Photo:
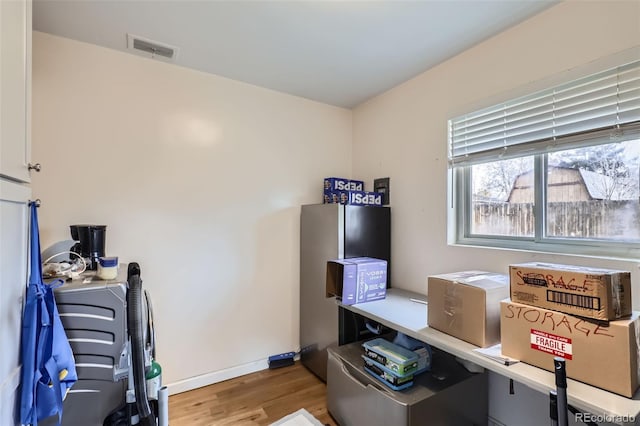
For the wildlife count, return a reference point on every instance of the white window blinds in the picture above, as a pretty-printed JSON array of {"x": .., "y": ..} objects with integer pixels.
[{"x": 602, "y": 105}]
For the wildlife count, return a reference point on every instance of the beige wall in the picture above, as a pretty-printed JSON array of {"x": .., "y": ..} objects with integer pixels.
[
  {"x": 199, "y": 178},
  {"x": 403, "y": 133}
]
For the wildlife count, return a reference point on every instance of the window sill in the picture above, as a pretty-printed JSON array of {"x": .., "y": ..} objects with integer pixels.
[{"x": 601, "y": 251}]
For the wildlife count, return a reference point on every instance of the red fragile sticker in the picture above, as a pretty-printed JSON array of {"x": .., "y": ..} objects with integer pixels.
[{"x": 551, "y": 344}]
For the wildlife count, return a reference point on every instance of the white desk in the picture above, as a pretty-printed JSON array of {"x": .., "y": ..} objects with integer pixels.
[{"x": 398, "y": 312}]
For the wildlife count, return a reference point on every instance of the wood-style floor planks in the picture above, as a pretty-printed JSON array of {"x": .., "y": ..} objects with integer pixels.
[{"x": 255, "y": 399}]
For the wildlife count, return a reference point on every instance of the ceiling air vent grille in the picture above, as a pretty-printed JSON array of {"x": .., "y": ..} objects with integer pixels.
[{"x": 151, "y": 49}]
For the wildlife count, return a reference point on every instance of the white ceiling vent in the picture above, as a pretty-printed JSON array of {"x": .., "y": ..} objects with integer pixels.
[{"x": 151, "y": 49}]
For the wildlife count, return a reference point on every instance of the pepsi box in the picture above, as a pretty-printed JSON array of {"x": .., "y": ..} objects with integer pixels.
[
  {"x": 331, "y": 197},
  {"x": 356, "y": 280},
  {"x": 342, "y": 184},
  {"x": 363, "y": 198},
  {"x": 355, "y": 198}
]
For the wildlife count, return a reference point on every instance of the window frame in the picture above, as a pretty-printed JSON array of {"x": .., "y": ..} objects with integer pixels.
[
  {"x": 460, "y": 213},
  {"x": 561, "y": 246}
]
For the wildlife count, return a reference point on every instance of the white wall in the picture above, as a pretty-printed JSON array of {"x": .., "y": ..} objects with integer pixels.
[
  {"x": 200, "y": 178},
  {"x": 403, "y": 134},
  {"x": 197, "y": 177}
]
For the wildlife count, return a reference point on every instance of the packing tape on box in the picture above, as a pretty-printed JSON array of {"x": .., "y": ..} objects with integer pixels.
[
  {"x": 636, "y": 328},
  {"x": 453, "y": 304},
  {"x": 616, "y": 286}
]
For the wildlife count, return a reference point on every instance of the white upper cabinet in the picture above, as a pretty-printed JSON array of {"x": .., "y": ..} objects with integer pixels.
[{"x": 15, "y": 89}]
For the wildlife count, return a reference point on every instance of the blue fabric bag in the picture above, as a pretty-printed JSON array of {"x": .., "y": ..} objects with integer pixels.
[{"x": 48, "y": 366}]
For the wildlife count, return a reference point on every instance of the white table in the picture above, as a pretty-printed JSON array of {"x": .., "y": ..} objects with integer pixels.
[{"x": 397, "y": 311}]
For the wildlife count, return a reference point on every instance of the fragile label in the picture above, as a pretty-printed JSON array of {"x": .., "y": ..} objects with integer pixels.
[{"x": 551, "y": 344}]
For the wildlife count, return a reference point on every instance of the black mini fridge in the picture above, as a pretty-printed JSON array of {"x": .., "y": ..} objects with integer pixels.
[{"x": 327, "y": 232}]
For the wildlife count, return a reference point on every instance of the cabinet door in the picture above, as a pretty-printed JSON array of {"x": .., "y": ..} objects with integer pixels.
[
  {"x": 14, "y": 221},
  {"x": 15, "y": 89}
]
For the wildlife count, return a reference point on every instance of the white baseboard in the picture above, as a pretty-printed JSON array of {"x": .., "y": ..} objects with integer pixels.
[{"x": 216, "y": 376}]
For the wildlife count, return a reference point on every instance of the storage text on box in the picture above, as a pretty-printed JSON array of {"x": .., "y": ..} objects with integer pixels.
[{"x": 551, "y": 344}]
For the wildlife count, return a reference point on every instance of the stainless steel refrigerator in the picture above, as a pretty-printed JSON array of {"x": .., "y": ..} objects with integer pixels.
[{"x": 327, "y": 232}]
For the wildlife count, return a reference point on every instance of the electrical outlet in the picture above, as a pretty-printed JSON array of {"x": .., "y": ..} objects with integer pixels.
[{"x": 382, "y": 185}]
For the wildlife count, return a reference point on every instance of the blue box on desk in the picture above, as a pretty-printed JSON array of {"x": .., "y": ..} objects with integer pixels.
[
  {"x": 354, "y": 198},
  {"x": 357, "y": 280},
  {"x": 342, "y": 184}
]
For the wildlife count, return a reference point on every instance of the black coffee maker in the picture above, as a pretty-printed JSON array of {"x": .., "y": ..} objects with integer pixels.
[{"x": 90, "y": 242}]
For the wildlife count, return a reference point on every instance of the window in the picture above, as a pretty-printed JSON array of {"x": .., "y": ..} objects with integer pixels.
[{"x": 557, "y": 170}]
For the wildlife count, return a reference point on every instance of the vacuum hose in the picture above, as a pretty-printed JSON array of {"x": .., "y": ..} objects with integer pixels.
[{"x": 134, "y": 317}]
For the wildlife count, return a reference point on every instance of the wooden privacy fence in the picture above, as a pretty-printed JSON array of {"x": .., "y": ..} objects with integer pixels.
[{"x": 580, "y": 219}]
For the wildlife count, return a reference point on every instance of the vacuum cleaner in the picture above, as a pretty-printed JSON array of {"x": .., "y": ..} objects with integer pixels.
[
  {"x": 109, "y": 324},
  {"x": 138, "y": 401}
]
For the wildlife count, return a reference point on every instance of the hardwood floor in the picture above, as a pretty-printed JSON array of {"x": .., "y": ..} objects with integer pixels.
[{"x": 255, "y": 399}]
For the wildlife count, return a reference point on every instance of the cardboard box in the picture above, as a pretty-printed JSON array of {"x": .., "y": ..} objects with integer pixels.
[
  {"x": 602, "y": 294},
  {"x": 467, "y": 305},
  {"x": 364, "y": 198},
  {"x": 356, "y": 198},
  {"x": 342, "y": 184},
  {"x": 331, "y": 197},
  {"x": 602, "y": 356},
  {"x": 357, "y": 280}
]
